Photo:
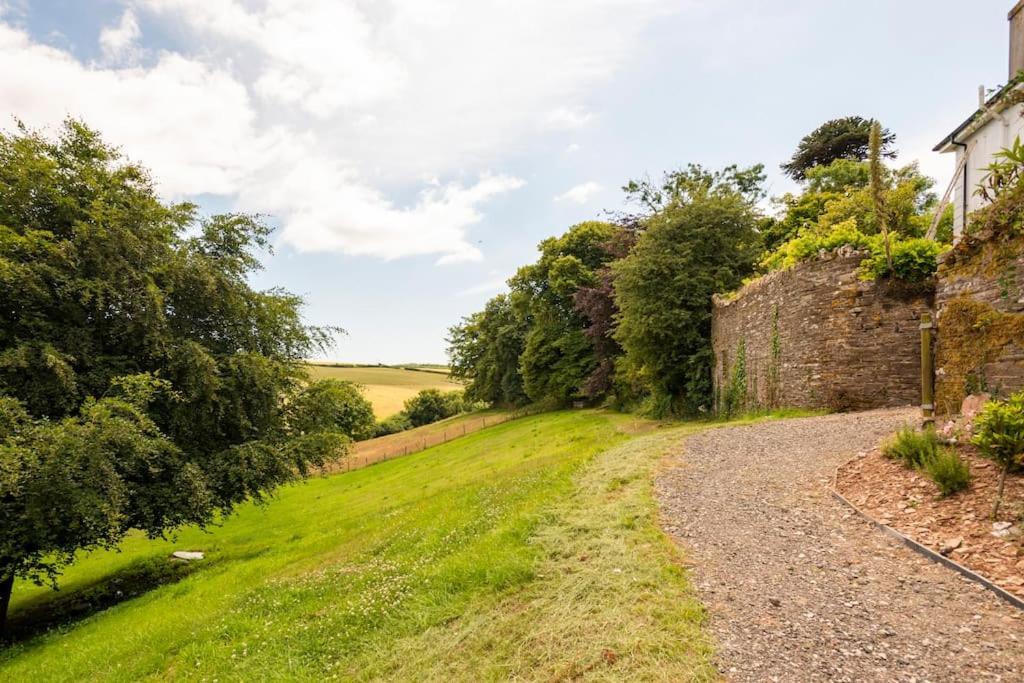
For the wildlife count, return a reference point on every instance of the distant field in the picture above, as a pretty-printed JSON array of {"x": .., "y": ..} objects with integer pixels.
[{"x": 388, "y": 388}]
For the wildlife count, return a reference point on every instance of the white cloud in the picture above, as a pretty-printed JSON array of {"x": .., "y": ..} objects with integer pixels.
[
  {"x": 192, "y": 124},
  {"x": 119, "y": 43},
  {"x": 493, "y": 284},
  {"x": 307, "y": 109},
  {"x": 581, "y": 194},
  {"x": 572, "y": 148},
  {"x": 566, "y": 118}
]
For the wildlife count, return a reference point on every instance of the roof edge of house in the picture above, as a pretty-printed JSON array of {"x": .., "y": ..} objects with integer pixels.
[{"x": 983, "y": 113}]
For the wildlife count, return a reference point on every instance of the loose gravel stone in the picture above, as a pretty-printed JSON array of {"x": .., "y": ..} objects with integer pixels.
[{"x": 801, "y": 589}]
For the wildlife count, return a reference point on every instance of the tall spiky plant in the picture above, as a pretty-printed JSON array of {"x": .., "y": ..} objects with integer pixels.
[{"x": 878, "y": 187}]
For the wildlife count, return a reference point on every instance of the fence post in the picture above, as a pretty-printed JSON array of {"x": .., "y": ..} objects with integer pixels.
[{"x": 927, "y": 371}]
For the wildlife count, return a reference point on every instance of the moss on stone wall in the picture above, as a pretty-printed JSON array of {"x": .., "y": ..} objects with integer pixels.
[{"x": 975, "y": 337}]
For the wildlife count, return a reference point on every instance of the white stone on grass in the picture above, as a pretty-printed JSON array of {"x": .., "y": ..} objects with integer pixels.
[{"x": 186, "y": 555}]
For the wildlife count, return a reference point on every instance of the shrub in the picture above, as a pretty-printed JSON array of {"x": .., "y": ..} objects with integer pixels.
[
  {"x": 911, "y": 447},
  {"x": 392, "y": 425},
  {"x": 810, "y": 242},
  {"x": 947, "y": 469},
  {"x": 332, "y": 404},
  {"x": 999, "y": 434},
  {"x": 431, "y": 405},
  {"x": 913, "y": 260}
]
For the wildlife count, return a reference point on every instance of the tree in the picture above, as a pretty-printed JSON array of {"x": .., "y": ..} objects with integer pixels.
[
  {"x": 696, "y": 245},
  {"x": 144, "y": 383},
  {"x": 685, "y": 184},
  {"x": 558, "y": 357},
  {"x": 845, "y": 138},
  {"x": 484, "y": 351},
  {"x": 597, "y": 305},
  {"x": 877, "y": 185},
  {"x": 431, "y": 405},
  {"x": 333, "y": 405}
]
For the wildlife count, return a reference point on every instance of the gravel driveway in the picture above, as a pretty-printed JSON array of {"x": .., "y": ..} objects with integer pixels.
[{"x": 799, "y": 588}]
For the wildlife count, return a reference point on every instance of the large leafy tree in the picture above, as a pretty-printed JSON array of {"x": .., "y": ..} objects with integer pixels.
[
  {"x": 844, "y": 138},
  {"x": 596, "y": 303},
  {"x": 484, "y": 350},
  {"x": 333, "y": 405},
  {"x": 143, "y": 382},
  {"x": 696, "y": 243},
  {"x": 558, "y": 356}
]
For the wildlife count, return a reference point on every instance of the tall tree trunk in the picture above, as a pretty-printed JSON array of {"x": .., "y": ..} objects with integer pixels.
[
  {"x": 999, "y": 492},
  {"x": 6, "y": 586}
]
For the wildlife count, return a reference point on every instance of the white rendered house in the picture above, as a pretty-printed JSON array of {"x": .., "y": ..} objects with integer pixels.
[{"x": 996, "y": 123}]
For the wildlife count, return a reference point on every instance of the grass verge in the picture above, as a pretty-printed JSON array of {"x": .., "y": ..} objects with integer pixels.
[{"x": 529, "y": 550}]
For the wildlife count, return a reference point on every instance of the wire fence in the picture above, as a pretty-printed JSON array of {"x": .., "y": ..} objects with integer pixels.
[{"x": 372, "y": 451}]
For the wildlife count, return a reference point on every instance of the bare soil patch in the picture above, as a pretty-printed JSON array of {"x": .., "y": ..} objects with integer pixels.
[{"x": 959, "y": 526}]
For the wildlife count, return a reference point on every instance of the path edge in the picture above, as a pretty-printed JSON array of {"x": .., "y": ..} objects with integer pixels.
[{"x": 925, "y": 550}]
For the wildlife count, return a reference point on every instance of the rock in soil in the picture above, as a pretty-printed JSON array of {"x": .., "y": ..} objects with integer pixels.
[{"x": 751, "y": 507}]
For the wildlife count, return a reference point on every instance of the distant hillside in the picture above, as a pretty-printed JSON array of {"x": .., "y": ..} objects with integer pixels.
[{"x": 388, "y": 387}]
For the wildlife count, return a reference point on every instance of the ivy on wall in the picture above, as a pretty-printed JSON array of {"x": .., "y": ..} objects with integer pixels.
[{"x": 736, "y": 392}]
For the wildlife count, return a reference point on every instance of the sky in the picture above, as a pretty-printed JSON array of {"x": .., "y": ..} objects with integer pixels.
[{"x": 412, "y": 153}]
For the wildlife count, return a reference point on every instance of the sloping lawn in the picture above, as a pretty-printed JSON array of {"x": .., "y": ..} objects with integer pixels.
[{"x": 526, "y": 550}]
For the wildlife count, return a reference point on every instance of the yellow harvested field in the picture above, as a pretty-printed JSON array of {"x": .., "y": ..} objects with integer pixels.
[{"x": 387, "y": 388}]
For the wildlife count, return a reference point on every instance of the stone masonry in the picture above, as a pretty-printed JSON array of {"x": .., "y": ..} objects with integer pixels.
[
  {"x": 817, "y": 336},
  {"x": 979, "y": 300}
]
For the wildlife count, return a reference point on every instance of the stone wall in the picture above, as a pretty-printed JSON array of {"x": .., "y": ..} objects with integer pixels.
[
  {"x": 979, "y": 299},
  {"x": 817, "y": 336}
]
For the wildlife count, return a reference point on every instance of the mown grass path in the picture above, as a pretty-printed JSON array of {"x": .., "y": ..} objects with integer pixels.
[{"x": 528, "y": 550}]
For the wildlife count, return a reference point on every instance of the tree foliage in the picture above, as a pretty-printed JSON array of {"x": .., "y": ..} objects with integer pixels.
[
  {"x": 432, "y": 405},
  {"x": 558, "y": 356},
  {"x": 144, "y": 382},
  {"x": 844, "y": 138},
  {"x": 596, "y": 304},
  {"x": 332, "y": 405},
  {"x": 701, "y": 242},
  {"x": 999, "y": 435},
  {"x": 484, "y": 351},
  {"x": 840, "y": 206}
]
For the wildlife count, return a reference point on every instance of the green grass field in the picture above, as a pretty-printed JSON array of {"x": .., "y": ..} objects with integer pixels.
[
  {"x": 528, "y": 550},
  {"x": 388, "y": 388}
]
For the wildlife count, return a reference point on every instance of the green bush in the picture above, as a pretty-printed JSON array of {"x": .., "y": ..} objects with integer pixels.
[
  {"x": 911, "y": 447},
  {"x": 392, "y": 425},
  {"x": 947, "y": 469},
  {"x": 999, "y": 434},
  {"x": 913, "y": 260},
  {"x": 431, "y": 405},
  {"x": 332, "y": 404},
  {"x": 810, "y": 242}
]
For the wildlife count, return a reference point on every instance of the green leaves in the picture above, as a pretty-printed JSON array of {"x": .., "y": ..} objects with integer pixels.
[
  {"x": 432, "y": 405},
  {"x": 331, "y": 405},
  {"x": 999, "y": 430},
  {"x": 845, "y": 138},
  {"x": 689, "y": 251},
  {"x": 913, "y": 261},
  {"x": 143, "y": 382}
]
